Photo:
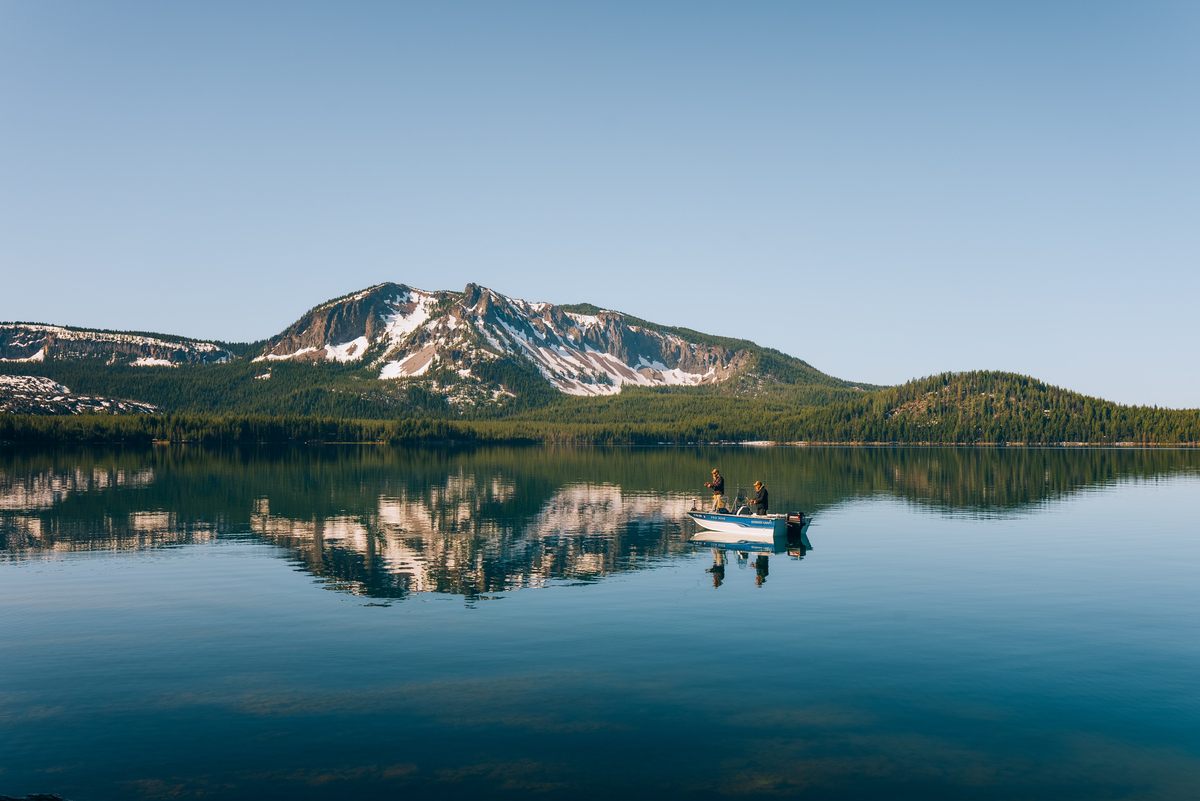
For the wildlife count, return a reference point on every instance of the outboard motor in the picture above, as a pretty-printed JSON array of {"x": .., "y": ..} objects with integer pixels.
[{"x": 796, "y": 521}]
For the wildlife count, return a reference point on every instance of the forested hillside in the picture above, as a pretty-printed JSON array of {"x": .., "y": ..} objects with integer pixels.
[
  {"x": 960, "y": 408},
  {"x": 988, "y": 407},
  {"x": 247, "y": 388},
  {"x": 496, "y": 390}
]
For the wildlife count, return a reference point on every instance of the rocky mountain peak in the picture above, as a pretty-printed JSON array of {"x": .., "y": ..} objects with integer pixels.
[{"x": 408, "y": 332}]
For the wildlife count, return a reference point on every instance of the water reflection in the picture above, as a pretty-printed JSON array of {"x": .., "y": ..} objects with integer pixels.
[
  {"x": 388, "y": 522},
  {"x": 756, "y": 552},
  {"x": 444, "y": 541}
]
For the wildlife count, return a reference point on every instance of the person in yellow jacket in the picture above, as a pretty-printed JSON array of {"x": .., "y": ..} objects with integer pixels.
[{"x": 717, "y": 485}]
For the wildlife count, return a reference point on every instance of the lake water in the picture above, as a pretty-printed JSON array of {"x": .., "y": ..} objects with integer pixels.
[{"x": 369, "y": 622}]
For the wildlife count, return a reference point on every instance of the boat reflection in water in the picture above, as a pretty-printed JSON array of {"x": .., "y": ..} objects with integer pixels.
[{"x": 752, "y": 548}]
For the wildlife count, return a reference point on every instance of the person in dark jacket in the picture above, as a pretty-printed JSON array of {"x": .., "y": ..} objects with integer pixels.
[
  {"x": 760, "y": 498},
  {"x": 717, "y": 485}
]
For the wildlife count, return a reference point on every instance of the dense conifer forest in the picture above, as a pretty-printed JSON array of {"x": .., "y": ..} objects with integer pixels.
[{"x": 337, "y": 403}]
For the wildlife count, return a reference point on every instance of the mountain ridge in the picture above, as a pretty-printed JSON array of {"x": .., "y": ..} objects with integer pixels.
[
  {"x": 399, "y": 331},
  {"x": 35, "y": 342},
  {"x": 391, "y": 347},
  {"x": 579, "y": 349}
]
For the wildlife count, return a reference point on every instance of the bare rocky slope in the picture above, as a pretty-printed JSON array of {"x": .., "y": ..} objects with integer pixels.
[
  {"x": 398, "y": 331},
  {"x": 392, "y": 349}
]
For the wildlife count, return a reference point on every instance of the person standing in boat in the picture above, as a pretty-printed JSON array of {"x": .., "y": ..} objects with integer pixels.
[
  {"x": 717, "y": 485},
  {"x": 760, "y": 498}
]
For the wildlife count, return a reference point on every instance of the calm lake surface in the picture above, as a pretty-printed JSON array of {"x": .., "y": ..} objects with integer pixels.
[{"x": 370, "y": 622}]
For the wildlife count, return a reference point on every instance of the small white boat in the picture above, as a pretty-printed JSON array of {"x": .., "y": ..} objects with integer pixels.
[
  {"x": 743, "y": 532},
  {"x": 750, "y": 526}
]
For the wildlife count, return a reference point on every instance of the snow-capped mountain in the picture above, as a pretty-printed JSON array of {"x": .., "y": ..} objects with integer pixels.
[
  {"x": 404, "y": 332},
  {"x": 30, "y": 342},
  {"x": 426, "y": 350}
]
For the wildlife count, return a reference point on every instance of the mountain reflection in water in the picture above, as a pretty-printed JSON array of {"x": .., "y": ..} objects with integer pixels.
[
  {"x": 388, "y": 522},
  {"x": 446, "y": 541}
]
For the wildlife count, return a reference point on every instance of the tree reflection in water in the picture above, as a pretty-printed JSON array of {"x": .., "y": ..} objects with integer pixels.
[{"x": 388, "y": 522}]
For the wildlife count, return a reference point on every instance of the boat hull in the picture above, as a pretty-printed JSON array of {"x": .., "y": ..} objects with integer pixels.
[
  {"x": 749, "y": 527},
  {"x": 766, "y": 534}
]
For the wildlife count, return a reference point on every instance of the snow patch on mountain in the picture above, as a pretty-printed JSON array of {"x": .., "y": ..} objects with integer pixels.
[
  {"x": 347, "y": 351},
  {"x": 413, "y": 332},
  {"x": 412, "y": 309},
  {"x": 578, "y": 354},
  {"x": 284, "y": 356},
  {"x": 583, "y": 320},
  {"x": 31, "y": 384},
  {"x": 37, "y": 357},
  {"x": 33, "y": 394}
]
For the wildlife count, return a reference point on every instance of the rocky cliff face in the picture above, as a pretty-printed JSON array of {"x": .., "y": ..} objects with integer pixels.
[
  {"x": 405, "y": 332},
  {"x": 26, "y": 342},
  {"x": 344, "y": 329}
]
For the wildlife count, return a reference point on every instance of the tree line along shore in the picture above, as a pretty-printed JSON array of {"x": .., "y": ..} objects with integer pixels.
[{"x": 978, "y": 408}]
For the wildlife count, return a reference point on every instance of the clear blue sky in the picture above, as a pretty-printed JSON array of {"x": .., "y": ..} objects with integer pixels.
[{"x": 886, "y": 190}]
